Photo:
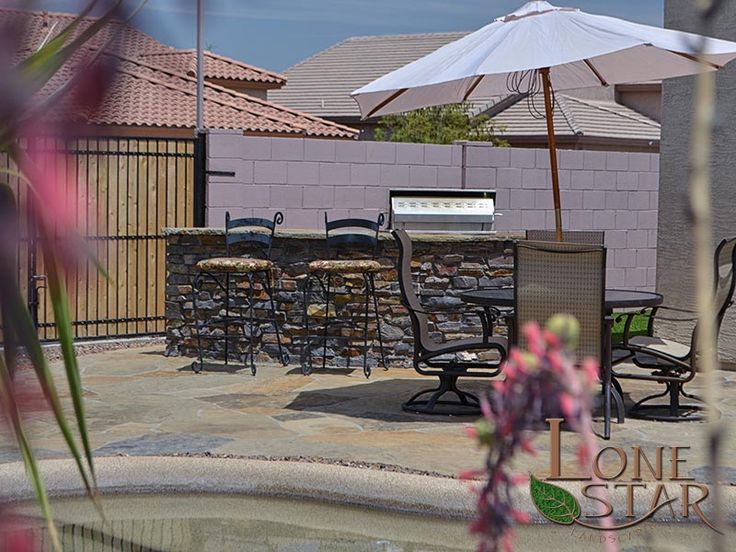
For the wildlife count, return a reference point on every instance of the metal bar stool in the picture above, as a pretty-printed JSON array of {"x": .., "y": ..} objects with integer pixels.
[
  {"x": 344, "y": 236},
  {"x": 257, "y": 232}
]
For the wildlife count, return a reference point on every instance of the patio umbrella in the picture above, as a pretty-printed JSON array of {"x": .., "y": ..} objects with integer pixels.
[{"x": 541, "y": 47}]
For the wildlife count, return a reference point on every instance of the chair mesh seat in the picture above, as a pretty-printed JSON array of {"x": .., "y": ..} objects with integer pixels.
[
  {"x": 234, "y": 264},
  {"x": 665, "y": 346},
  {"x": 345, "y": 266}
]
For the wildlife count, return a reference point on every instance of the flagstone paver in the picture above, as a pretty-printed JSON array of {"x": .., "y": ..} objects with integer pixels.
[{"x": 140, "y": 402}]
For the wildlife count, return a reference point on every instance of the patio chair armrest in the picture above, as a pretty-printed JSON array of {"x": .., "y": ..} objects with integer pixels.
[
  {"x": 628, "y": 318},
  {"x": 685, "y": 314},
  {"x": 487, "y": 317},
  {"x": 426, "y": 309}
]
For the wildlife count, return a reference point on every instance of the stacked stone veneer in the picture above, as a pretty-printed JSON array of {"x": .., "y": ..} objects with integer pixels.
[
  {"x": 612, "y": 191},
  {"x": 444, "y": 266}
]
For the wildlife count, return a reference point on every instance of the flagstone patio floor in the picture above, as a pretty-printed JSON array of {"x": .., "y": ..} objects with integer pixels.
[{"x": 141, "y": 403}]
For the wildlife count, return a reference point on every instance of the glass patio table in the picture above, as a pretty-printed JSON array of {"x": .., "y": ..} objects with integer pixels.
[{"x": 615, "y": 298}]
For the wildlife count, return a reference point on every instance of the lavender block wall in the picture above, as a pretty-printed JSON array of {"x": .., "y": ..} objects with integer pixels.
[{"x": 612, "y": 191}]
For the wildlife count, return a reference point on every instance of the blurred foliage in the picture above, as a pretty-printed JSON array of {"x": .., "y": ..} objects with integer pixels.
[
  {"x": 29, "y": 93},
  {"x": 444, "y": 124}
]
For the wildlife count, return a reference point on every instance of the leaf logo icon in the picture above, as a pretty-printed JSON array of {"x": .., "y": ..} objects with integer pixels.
[{"x": 553, "y": 502}]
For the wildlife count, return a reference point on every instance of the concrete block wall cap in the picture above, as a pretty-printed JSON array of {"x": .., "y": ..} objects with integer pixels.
[{"x": 429, "y": 237}]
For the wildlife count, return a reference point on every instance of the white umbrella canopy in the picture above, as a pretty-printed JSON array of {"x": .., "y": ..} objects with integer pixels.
[
  {"x": 581, "y": 50},
  {"x": 541, "y": 46}
]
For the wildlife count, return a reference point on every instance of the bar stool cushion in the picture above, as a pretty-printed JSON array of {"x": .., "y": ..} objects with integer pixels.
[
  {"x": 345, "y": 266},
  {"x": 234, "y": 264}
]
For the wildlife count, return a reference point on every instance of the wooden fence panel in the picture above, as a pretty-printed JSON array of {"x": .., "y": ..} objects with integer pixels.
[{"x": 122, "y": 192}]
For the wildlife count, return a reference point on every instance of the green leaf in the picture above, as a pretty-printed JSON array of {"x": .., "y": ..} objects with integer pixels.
[
  {"x": 10, "y": 407},
  {"x": 46, "y": 62},
  {"x": 27, "y": 336},
  {"x": 553, "y": 502},
  {"x": 62, "y": 318}
]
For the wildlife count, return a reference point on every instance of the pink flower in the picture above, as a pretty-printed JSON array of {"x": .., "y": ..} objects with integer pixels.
[
  {"x": 527, "y": 447},
  {"x": 520, "y": 517},
  {"x": 583, "y": 455},
  {"x": 591, "y": 371},
  {"x": 519, "y": 479},
  {"x": 485, "y": 407},
  {"x": 567, "y": 405},
  {"x": 466, "y": 475}
]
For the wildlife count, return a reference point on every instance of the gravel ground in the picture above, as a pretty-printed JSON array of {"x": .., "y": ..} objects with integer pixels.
[
  {"x": 319, "y": 460},
  {"x": 53, "y": 351}
]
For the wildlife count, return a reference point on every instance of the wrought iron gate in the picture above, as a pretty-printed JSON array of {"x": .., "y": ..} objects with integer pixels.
[{"x": 126, "y": 191}]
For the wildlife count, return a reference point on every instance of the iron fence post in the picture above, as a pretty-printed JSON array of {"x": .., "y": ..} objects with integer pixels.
[{"x": 200, "y": 178}]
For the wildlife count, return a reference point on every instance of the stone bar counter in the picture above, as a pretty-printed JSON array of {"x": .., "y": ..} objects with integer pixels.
[{"x": 444, "y": 265}]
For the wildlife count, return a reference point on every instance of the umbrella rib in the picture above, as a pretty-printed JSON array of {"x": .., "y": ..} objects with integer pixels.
[
  {"x": 388, "y": 100},
  {"x": 473, "y": 87},
  {"x": 695, "y": 59},
  {"x": 595, "y": 72}
]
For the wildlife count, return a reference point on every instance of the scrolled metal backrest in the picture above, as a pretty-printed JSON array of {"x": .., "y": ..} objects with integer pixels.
[
  {"x": 591, "y": 237},
  {"x": 339, "y": 240},
  {"x": 256, "y": 231},
  {"x": 419, "y": 319},
  {"x": 725, "y": 280},
  {"x": 559, "y": 277}
]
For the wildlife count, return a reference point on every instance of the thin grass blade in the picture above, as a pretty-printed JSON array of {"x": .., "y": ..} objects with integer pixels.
[{"x": 10, "y": 406}]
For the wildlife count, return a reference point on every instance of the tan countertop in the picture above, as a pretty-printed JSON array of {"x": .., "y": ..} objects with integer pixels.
[{"x": 454, "y": 237}]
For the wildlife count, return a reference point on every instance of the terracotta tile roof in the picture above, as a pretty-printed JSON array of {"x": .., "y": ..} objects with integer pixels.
[
  {"x": 143, "y": 94},
  {"x": 322, "y": 83},
  {"x": 215, "y": 67},
  {"x": 39, "y": 26}
]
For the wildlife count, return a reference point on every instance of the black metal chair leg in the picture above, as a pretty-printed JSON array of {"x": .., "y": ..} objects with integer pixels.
[
  {"x": 467, "y": 405},
  {"x": 366, "y": 368},
  {"x": 327, "y": 321},
  {"x": 197, "y": 368},
  {"x": 606, "y": 402},
  {"x": 674, "y": 398},
  {"x": 619, "y": 400},
  {"x": 372, "y": 280},
  {"x": 607, "y": 380},
  {"x": 306, "y": 353},
  {"x": 269, "y": 290},
  {"x": 252, "y": 325},
  {"x": 672, "y": 411},
  {"x": 227, "y": 316}
]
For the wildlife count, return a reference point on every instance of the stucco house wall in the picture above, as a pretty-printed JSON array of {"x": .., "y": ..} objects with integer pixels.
[{"x": 675, "y": 276}]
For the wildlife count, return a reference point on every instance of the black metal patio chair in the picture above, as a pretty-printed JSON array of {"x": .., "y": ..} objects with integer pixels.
[
  {"x": 441, "y": 359},
  {"x": 348, "y": 240},
  {"x": 591, "y": 237},
  {"x": 563, "y": 277},
  {"x": 258, "y": 233},
  {"x": 668, "y": 362}
]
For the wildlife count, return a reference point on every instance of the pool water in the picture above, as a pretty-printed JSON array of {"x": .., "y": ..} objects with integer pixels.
[
  {"x": 224, "y": 523},
  {"x": 241, "y": 523}
]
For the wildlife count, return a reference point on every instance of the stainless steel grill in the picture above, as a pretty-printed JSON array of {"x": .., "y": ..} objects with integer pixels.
[{"x": 443, "y": 210}]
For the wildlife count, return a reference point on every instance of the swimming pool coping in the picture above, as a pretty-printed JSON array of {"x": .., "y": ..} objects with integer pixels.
[{"x": 385, "y": 490}]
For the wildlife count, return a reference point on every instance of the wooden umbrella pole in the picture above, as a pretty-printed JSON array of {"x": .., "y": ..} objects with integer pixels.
[{"x": 547, "y": 88}]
